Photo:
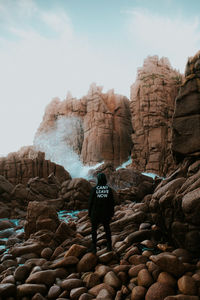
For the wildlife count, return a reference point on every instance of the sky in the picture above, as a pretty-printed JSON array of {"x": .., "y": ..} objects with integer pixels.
[{"x": 50, "y": 47}]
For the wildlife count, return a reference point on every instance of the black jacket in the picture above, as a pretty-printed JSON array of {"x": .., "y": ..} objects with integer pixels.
[{"x": 101, "y": 201}]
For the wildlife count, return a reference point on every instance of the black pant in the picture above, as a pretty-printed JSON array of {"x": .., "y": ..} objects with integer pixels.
[{"x": 107, "y": 231}]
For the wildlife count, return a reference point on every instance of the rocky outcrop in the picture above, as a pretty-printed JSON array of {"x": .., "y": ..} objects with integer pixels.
[
  {"x": 99, "y": 126},
  {"x": 15, "y": 198},
  {"x": 75, "y": 193},
  {"x": 186, "y": 120},
  {"x": 107, "y": 128},
  {"x": 127, "y": 184},
  {"x": 5, "y": 188},
  {"x": 71, "y": 194},
  {"x": 175, "y": 206},
  {"x": 152, "y": 106},
  {"x": 19, "y": 167}
]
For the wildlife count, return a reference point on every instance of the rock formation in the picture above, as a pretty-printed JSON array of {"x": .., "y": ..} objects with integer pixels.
[
  {"x": 40, "y": 216},
  {"x": 75, "y": 193},
  {"x": 19, "y": 167},
  {"x": 71, "y": 194},
  {"x": 128, "y": 184},
  {"x": 101, "y": 126},
  {"x": 186, "y": 120},
  {"x": 175, "y": 206},
  {"x": 152, "y": 106},
  {"x": 15, "y": 198}
]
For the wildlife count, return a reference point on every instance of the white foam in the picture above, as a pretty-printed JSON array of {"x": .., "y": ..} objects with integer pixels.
[
  {"x": 126, "y": 163},
  {"x": 56, "y": 143},
  {"x": 152, "y": 175},
  {"x": 129, "y": 161}
]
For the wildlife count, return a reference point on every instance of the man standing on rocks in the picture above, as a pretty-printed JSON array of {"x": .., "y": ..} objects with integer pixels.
[{"x": 101, "y": 209}]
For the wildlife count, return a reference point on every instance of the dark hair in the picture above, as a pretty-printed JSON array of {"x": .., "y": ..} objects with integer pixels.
[{"x": 101, "y": 179}]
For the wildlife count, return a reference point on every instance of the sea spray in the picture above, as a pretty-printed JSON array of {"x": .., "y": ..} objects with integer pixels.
[
  {"x": 129, "y": 161},
  {"x": 62, "y": 143},
  {"x": 125, "y": 164},
  {"x": 152, "y": 175}
]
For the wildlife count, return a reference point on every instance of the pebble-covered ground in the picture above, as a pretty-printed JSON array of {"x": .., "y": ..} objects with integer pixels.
[{"x": 139, "y": 267}]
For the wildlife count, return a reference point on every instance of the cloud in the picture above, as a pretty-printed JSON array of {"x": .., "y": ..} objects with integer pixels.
[
  {"x": 176, "y": 38},
  {"x": 26, "y": 8},
  {"x": 32, "y": 69},
  {"x": 16, "y": 12},
  {"x": 38, "y": 63},
  {"x": 59, "y": 22}
]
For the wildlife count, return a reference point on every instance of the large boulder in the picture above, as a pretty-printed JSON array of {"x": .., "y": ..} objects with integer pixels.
[
  {"x": 191, "y": 206},
  {"x": 174, "y": 206},
  {"x": 40, "y": 186},
  {"x": 75, "y": 193},
  {"x": 40, "y": 216},
  {"x": 159, "y": 291},
  {"x": 5, "y": 186},
  {"x": 169, "y": 263},
  {"x": 16, "y": 198}
]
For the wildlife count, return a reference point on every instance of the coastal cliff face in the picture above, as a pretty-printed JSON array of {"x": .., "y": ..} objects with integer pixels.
[
  {"x": 107, "y": 128},
  {"x": 101, "y": 125},
  {"x": 186, "y": 120},
  {"x": 152, "y": 107}
]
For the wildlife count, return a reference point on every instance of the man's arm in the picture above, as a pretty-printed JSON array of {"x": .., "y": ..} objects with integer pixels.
[
  {"x": 90, "y": 202},
  {"x": 111, "y": 202}
]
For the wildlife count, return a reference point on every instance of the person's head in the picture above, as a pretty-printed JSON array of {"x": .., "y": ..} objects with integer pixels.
[{"x": 101, "y": 179}]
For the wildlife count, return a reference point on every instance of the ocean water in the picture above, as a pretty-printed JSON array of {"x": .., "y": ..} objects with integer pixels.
[
  {"x": 66, "y": 216},
  {"x": 126, "y": 163},
  {"x": 152, "y": 175}
]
